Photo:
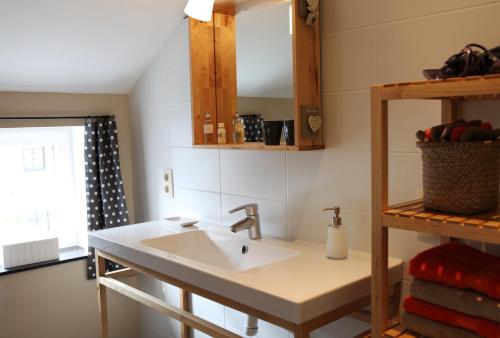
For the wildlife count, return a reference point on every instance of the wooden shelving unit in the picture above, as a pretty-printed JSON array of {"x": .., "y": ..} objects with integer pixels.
[
  {"x": 259, "y": 146},
  {"x": 411, "y": 215}
]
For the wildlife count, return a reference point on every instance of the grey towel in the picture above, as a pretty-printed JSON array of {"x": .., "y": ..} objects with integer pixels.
[
  {"x": 431, "y": 328},
  {"x": 464, "y": 301}
]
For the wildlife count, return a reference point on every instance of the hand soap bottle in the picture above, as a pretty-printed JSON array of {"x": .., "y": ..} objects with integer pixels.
[{"x": 336, "y": 243}]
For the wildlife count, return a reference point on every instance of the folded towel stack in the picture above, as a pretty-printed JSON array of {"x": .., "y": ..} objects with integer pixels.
[{"x": 455, "y": 293}]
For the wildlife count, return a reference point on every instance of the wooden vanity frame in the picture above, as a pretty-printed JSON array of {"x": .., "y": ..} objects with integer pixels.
[{"x": 183, "y": 314}]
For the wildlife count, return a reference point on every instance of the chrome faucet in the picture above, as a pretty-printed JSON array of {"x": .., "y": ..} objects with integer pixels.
[{"x": 251, "y": 222}]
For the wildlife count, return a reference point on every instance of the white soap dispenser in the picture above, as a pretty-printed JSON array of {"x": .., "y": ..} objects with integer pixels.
[{"x": 336, "y": 242}]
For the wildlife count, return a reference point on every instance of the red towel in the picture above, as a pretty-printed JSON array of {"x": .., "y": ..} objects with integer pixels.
[
  {"x": 460, "y": 266},
  {"x": 482, "y": 327}
]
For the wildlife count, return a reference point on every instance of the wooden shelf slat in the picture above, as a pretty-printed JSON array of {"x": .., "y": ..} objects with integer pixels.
[
  {"x": 482, "y": 227},
  {"x": 474, "y": 87},
  {"x": 398, "y": 331},
  {"x": 258, "y": 146}
]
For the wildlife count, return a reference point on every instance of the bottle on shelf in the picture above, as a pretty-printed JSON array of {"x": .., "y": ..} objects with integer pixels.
[
  {"x": 238, "y": 129},
  {"x": 221, "y": 133},
  {"x": 208, "y": 129}
]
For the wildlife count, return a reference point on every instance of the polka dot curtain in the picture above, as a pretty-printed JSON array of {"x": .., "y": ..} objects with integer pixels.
[{"x": 106, "y": 205}]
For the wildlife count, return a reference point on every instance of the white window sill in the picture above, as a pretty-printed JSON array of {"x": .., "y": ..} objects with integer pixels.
[{"x": 66, "y": 255}]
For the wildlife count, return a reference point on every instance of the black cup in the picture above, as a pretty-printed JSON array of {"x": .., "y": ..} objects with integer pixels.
[
  {"x": 289, "y": 132},
  {"x": 272, "y": 132}
]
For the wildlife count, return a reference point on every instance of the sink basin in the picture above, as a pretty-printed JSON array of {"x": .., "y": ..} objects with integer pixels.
[{"x": 220, "y": 250}]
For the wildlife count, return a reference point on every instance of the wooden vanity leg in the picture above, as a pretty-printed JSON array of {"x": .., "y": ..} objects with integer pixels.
[
  {"x": 102, "y": 303},
  {"x": 301, "y": 332},
  {"x": 186, "y": 306}
]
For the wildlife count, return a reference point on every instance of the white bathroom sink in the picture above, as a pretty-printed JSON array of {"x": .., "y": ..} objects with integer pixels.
[{"x": 220, "y": 250}]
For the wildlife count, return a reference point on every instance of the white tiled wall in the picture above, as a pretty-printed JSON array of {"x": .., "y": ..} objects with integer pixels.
[{"x": 363, "y": 42}]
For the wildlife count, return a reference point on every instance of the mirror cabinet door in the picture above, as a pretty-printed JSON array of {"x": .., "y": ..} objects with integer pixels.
[{"x": 203, "y": 93}]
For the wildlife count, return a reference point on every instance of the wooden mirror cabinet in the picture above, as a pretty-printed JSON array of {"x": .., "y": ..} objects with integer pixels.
[{"x": 214, "y": 86}]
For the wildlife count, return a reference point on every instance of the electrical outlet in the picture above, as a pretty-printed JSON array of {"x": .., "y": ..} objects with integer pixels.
[{"x": 168, "y": 182}]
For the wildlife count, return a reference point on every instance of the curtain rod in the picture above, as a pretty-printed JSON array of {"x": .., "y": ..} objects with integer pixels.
[{"x": 52, "y": 117}]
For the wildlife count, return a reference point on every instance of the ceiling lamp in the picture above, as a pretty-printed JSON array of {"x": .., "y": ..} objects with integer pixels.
[{"x": 200, "y": 9}]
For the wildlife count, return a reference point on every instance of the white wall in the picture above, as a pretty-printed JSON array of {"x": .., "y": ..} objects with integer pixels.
[
  {"x": 363, "y": 42},
  {"x": 59, "y": 301}
]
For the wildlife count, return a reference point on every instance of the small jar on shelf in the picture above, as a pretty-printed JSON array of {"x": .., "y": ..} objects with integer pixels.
[
  {"x": 208, "y": 129},
  {"x": 221, "y": 133},
  {"x": 238, "y": 129}
]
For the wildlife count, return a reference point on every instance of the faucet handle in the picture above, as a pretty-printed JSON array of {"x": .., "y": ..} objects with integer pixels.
[{"x": 251, "y": 209}]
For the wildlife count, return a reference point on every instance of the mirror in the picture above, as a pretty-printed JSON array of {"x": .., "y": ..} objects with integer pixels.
[{"x": 264, "y": 61}]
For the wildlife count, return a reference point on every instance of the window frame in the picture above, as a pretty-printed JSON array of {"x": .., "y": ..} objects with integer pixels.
[{"x": 66, "y": 254}]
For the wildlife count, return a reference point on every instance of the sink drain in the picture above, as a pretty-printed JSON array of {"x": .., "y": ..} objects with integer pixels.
[{"x": 244, "y": 249}]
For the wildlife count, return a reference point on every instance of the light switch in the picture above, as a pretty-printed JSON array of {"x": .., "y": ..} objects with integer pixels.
[{"x": 168, "y": 182}]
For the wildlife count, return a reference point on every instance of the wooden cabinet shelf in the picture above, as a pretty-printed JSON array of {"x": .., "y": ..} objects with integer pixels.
[
  {"x": 259, "y": 146},
  {"x": 412, "y": 216}
]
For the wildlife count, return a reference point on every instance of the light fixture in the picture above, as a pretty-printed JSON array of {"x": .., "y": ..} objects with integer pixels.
[
  {"x": 290, "y": 19},
  {"x": 200, "y": 9}
]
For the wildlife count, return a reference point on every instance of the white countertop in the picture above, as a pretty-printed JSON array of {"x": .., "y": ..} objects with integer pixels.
[{"x": 297, "y": 289}]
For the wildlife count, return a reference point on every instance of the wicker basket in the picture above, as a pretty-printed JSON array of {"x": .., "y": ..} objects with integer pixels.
[{"x": 461, "y": 177}]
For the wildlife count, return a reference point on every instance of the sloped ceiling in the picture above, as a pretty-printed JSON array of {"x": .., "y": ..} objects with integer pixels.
[{"x": 81, "y": 46}]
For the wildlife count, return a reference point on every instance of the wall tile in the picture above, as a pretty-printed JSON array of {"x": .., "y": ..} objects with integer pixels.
[
  {"x": 408, "y": 116},
  {"x": 340, "y": 15},
  {"x": 310, "y": 223},
  {"x": 236, "y": 322},
  {"x": 201, "y": 205},
  {"x": 208, "y": 310},
  {"x": 405, "y": 177},
  {"x": 403, "y": 48},
  {"x": 180, "y": 125},
  {"x": 256, "y": 174},
  {"x": 196, "y": 168},
  {"x": 348, "y": 61},
  {"x": 199, "y": 334},
  {"x": 272, "y": 214},
  {"x": 177, "y": 47},
  {"x": 177, "y": 88},
  {"x": 342, "y": 328},
  {"x": 347, "y": 120},
  {"x": 155, "y": 126},
  {"x": 406, "y": 244},
  {"x": 170, "y": 293},
  {"x": 158, "y": 158},
  {"x": 330, "y": 178},
  {"x": 151, "y": 286},
  {"x": 391, "y": 10},
  {"x": 158, "y": 324}
]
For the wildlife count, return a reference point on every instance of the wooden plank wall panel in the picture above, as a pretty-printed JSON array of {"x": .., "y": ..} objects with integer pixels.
[
  {"x": 225, "y": 65},
  {"x": 203, "y": 97},
  {"x": 306, "y": 71}
]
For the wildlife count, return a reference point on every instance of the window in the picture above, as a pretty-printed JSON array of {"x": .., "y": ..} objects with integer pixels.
[{"x": 42, "y": 184}]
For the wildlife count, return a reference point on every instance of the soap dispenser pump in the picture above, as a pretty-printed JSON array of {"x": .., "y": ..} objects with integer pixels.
[{"x": 336, "y": 244}]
